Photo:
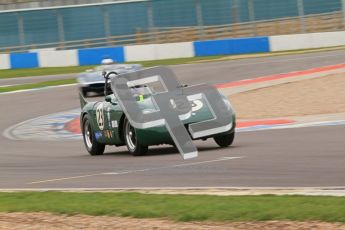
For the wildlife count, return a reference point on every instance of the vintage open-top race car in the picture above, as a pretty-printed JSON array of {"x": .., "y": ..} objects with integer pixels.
[{"x": 105, "y": 123}]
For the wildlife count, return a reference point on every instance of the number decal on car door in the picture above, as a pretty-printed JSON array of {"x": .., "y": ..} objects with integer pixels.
[{"x": 100, "y": 116}]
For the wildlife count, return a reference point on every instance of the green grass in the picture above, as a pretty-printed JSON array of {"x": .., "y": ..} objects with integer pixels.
[
  {"x": 11, "y": 73},
  {"x": 179, "y": 207},
  {"x": 36, "y": 85}
]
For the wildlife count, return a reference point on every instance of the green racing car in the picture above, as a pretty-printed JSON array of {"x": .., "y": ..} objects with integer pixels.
[{"x": 105, "y": 123}]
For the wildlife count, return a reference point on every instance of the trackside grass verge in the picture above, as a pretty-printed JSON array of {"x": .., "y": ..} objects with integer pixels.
[
  {"x": 11, "y": 73},
  {"x": 179, "y": 207},
  {"x": 36, "y": 85},
  {"x": 192, "y": 60}
]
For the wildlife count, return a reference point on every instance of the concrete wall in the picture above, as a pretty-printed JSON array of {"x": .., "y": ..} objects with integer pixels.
[
  {"x": 93, "y": 56},
  {"x": 58, "y": 58},
  {"x": 306, "y": 41},
  {"x": 140, "y": 53},
  {"x": 5, "y": 61},
  {"x": 159, "y": 51}
]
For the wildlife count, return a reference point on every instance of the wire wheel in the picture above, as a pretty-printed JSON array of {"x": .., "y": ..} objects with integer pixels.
[
  {"x": 132, "y": 142},
  {"x": 91, "y": 143},
  {"x": 87, "y": 134}
]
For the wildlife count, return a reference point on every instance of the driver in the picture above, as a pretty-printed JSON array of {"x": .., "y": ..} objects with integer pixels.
[{"x": 107, "y": 60}]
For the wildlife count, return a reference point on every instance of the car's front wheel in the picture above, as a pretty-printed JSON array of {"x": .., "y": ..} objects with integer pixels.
[
  {"x": 132, "y": 142},
  {"x": 225, "y": 140},
  {"x": 91, "y": 144}
]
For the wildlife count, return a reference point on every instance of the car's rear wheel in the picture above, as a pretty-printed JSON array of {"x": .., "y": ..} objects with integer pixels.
[
  {"x": 225, "y": 140},
  {"x": 132, "y": 142},
  {"x": 91, "y": 144}
]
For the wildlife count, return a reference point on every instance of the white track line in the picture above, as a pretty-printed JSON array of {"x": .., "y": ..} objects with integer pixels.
[
  {"x": 207, "y": 190},
  {"x": 37, "y": 89},
  {"x": 138, "y": 170},
  {"x": 292, "y": 126},
  {"x": 7, "y": 85},
  {"x": 253, "y": 60},
  {"x": 288, "y": 59}
]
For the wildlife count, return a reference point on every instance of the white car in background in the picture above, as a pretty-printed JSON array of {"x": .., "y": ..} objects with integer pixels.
[{"x": 92, "y": 80}]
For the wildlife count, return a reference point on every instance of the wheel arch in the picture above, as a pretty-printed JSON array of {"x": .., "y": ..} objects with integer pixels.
[
  {"x": 83, "y": 114},
  {"x": 121, "y": 128}
]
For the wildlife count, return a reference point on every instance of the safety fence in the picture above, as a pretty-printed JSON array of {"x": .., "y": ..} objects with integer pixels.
[
  {"x": 312, "y": 23},
  {"x": 162, "y": 21}
]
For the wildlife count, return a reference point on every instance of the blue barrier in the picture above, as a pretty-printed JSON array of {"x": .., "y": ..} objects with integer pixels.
[
  {"x": 94, "y": 56},
  {"x": 24, "y": 60},
  {"x": 231, "y": 46}
]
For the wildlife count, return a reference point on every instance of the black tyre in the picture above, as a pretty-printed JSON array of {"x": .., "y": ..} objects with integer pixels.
[
  {"x": 225, "y": 140},
  {"x": 91, "y": 144},
  {"x": 132, "y": 143}
]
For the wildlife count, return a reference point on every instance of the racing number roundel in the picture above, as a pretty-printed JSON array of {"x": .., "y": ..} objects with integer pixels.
[
  {"x": 196, "y": 105},
  {"x": 100, "y": 116}
]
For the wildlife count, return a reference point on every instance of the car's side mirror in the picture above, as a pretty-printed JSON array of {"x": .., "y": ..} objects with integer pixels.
[{"x": 110, "y": 100}]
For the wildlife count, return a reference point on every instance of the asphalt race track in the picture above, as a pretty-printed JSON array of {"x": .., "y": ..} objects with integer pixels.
[{"x": 303, "y": 157}]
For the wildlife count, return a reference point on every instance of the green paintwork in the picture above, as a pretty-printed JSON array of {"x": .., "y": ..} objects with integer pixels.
[{"x": 113, "y": 114}]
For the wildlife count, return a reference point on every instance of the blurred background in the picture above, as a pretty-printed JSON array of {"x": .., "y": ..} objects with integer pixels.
[{"x": 71, "y": 24}]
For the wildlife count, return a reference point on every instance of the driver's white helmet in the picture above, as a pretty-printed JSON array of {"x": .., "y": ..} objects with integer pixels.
[{"x": 107, "y": 61}]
